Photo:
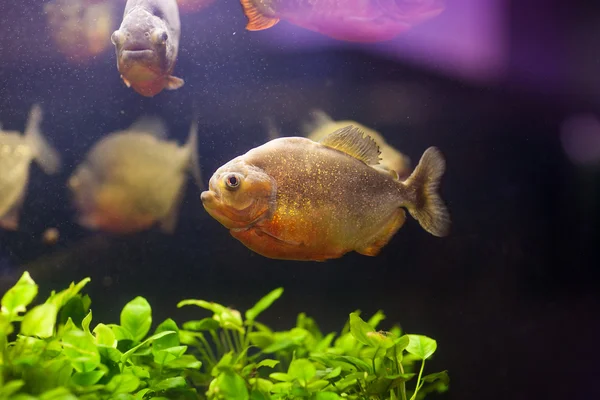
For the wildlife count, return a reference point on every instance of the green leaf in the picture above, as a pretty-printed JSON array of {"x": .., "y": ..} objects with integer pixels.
[
  {"x": 136, "y": 317},
  {"x": 214, "y": 307},
  {"x": 18, "y": 297},
  {"x": 281, "y": 376},
  {"x": 164, "y": 356},
  {"x": 140, "y": 372},
  {"x": 85, "y": 323},
  {"x": 60, "y": 393},
  {"x": 10, "y": 388},
  {"x": 366, "y": 334},
  {"x": 263, "y": 304},
  {"x": 120, "y": 332},
  {"x": 87, "y": 378},
  {"x": 438, "y": 376},
  {"x": 264, "y": 385},
  {"x": 361, "y": 330},
  {"x": 81, "y": 350},
  {"x": 206, "y": 324},
  {"x": 302, "y": 369},
  {"x": 169, "y": 383},
  {"x": 327, "y": 396},
  {"x": 421, "y": 346},
  {"x": 317, "y": 385},
  {"x": 261, "y": 339},
  {"x": 187, "y": 361},
  {"x": 334, "y": 373},
  {"x": 282, "y": 387},
  {"x": 167, "y": 341},
  {"x": 376, "y": 319},
  {"x": 402, "y": 342},
  {"x": 105, "y": 336},
  {"x": 231, "y": 386},
  {"x": 123, "y": 383},
  {"x": 140, "y": 394},
  {"x": 152, "y": 338},
  {"x": 73, "y": 309},
  {"x": 61, "y": 298},
  {"x": 259, "y": 395},
  {"x": 40, "y": 321},
  {"x": 267, "y": 363}
]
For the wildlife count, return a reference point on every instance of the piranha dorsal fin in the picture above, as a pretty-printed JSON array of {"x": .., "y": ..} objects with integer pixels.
[
  {"x": 150, "y": 125},
  {"x": 173, "y": 82},
  {"x": 256, "y": 20},
  {"x": 355, "y": 142}
]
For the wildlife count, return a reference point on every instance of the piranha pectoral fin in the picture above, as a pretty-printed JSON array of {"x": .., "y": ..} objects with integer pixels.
[
  {"x": 428, "y": 208},
  {"x": 173, "y": 82},
  {"x": 256, "y": 21},
  {"x": 127, "y": 83}
]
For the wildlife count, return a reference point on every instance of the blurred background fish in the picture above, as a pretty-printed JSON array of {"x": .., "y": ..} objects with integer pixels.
[
  {"x": 134, "y": 178},
  {"x": 349, "y": 20},
  {"x": 16, "y": 153},
  {"x": 147, "y": 44},
  {"x": 81, "y": 29}
]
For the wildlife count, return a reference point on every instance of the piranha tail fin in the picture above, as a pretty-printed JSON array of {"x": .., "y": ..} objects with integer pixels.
[
  {"x": 45, "y": 155},
  {"x": 256, "y": 20},
  {"x": 192, "y": 147},
  {"x": 427, "y": 207}
]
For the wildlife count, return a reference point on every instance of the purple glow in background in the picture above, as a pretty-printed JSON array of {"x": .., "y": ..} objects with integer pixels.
[{"x": 468, "y": 40}]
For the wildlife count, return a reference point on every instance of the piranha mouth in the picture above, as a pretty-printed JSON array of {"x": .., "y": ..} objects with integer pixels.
[
  {"x": 136, "y": 54},
  {"x": 229, "y": 217}
]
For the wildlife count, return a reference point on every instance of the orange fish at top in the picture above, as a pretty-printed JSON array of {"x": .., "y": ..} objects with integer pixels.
[{"x": 363, "y": 21}]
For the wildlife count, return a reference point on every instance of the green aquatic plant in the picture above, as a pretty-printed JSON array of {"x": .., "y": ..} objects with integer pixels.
[{"x": 50, "y": 352}]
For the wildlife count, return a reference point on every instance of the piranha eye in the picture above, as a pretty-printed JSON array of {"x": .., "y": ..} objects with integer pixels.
[
  {"x": 233, "y": 181},
  {"x": 160, "y": 36},
  {"x": 116, "y": 38}
]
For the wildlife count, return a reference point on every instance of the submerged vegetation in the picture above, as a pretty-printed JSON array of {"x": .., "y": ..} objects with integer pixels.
[{"x": 51, "y": 352}]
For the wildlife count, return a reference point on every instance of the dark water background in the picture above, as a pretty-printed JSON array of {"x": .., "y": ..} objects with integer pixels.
[{"x": 511, "y": 295}]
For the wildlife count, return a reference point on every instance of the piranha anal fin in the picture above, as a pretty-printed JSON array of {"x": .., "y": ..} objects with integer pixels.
[
  {"x": 173, "y": 82},
  {"x": 256, "y": 21},
  {"x": 385, "y": 234},
  {"x": 355, "y": 142}
]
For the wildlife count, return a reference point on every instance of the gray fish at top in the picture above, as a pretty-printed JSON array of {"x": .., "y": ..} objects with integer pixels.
[
  {"x": 146, "y": 44},
  {"x": 16, "y": 153}
]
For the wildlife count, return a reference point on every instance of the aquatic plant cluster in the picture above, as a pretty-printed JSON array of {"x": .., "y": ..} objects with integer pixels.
[{"x": 54, "y": 351}]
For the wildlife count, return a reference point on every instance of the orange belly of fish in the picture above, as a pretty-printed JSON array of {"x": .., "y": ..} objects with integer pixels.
[
  {"x": 144, "y": 80},
  {"x": 306, "y": 245},
  {"x": 115, "y": 220}
]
